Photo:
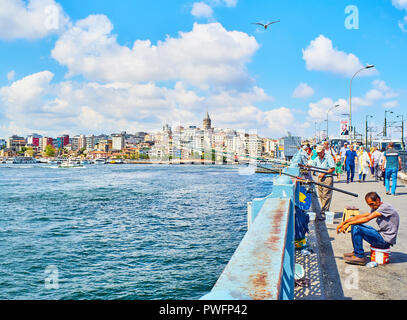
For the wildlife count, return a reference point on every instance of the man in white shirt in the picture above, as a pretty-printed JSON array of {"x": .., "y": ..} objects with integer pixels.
[
  {"x": 329, "y": 150},
  {"x": 376, "y": 155}
]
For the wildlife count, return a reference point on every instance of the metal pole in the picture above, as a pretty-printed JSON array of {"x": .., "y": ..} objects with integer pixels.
[
  {"x": 402, "y": 132},
  {"x": 366, "y": 131},
  {"x": 350, "y": 98}
]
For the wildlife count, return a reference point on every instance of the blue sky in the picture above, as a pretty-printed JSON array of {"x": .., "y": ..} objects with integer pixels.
[{"x": 99, "y": 66}]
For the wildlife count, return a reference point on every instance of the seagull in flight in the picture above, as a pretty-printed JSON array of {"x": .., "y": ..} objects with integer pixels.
[{"x": 265, "y": 25}]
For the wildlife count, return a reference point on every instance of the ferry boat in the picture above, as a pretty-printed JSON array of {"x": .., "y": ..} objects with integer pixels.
[{"x": 21, "y": 160}]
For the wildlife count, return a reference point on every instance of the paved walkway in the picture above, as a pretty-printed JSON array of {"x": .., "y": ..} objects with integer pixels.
[{"x": 345, "y": 281}]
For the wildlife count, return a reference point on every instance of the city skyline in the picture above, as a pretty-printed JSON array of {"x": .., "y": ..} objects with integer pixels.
[{"x": 95, "y": 67}]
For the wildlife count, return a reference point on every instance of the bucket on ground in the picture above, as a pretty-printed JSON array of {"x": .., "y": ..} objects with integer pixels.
[
  {"x": 330, "y": 217},
  {"x": 381, "y": 256},
  {"x": 312, "y": 216}
]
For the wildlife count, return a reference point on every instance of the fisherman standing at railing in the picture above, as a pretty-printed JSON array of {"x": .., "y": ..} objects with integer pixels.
[{"x": 324, "y": 161}]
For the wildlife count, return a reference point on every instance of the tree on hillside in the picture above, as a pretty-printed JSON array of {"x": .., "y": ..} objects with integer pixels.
[{"x": 50, "y": 151}]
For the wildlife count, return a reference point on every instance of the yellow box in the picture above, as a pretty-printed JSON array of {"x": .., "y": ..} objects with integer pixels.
[{"x": 348, "y": 213}]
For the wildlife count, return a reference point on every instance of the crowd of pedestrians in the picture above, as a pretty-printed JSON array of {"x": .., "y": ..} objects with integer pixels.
[{"x": 382, "y": 165}]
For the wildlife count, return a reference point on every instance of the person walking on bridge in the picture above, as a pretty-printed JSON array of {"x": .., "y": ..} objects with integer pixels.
[
  {"x": 392, "y": 165},
  {"x": 376, "y": 155},
  {"x": 324, "y": 161},
  {"x": 388, "y": 221},
  {"x": 350, "y": 157}
]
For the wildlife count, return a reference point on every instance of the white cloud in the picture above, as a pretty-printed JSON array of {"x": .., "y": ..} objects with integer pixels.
[
  {"x": 401, "y": 5},
  {"x": 25, "y": 94},
  {"x": 303, "y": 91},
  {"x": 207, "y": 56},
  {"x": 31, "y": 19},
  {"x": 201, "y": 10},
  {"x": 227, "y": 3},
  {"x": 36, "y": 104},
  {"x": 391, "y": 104},
  {"x": 320, "y": 55},
  {"x": 318, "y": 110}
]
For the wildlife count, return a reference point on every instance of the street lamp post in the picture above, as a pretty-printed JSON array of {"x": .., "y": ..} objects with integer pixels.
[
  {"x": 327, "y": 120},
  {"x": 385, "y": 122},
  {"x": 402, "y": 131},
  {"x": 367, "y": 128},
  {"x": 350, "y": 97}
]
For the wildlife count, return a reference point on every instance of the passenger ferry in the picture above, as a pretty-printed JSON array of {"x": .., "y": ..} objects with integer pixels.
[{"x": 21, "y": 160}]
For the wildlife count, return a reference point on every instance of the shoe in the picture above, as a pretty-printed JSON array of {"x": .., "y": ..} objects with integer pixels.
[
  {"x": 388, "y": 193},
  {"x": 349, "y": 255},
  {"x": 355, "y": 260}
]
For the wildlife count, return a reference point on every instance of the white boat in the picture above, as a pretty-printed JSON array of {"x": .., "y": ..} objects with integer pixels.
[
  {"x": 100, "y": 161},
  {"x": 68, "y": 164}
]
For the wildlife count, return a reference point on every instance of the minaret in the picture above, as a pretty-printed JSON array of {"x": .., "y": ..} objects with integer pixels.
[{"x": 207, "y": 122}]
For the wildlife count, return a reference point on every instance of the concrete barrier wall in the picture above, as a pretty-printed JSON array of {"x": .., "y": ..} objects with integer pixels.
[{"x": 262, "y": 267}]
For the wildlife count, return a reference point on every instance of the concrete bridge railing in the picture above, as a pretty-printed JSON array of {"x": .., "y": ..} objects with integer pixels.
[{"x": 262, "y": 267}]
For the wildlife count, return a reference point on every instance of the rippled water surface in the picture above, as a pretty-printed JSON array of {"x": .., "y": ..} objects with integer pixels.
[{"x": 145, "y": 232}]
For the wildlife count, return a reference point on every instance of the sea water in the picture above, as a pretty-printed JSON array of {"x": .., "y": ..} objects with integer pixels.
[{"x": 140, "y": 232}]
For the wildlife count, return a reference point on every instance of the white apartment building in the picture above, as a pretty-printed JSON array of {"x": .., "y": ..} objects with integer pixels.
[{"x": 118, "y": 142}]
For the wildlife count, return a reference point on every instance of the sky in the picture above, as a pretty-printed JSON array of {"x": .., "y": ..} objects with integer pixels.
[{"x": 100, "y": 66}]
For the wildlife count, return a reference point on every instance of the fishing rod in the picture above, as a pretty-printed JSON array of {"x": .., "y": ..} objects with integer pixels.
[
  {"x": 322, "y": 170},
  {"x": 313, "y": 182}
]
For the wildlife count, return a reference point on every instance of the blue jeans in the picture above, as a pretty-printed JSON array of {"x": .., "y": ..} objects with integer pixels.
[
  {"x": 350, "y": 171},
  {"x": 392, "y": 172},
  {"x": 362, "y": 232}
]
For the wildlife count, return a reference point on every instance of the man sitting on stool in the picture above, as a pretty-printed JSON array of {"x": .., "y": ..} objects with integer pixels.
[{"x": 386, "y": 217}]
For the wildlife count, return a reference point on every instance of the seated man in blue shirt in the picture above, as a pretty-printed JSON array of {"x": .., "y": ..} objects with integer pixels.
[
  {"x": 324, "y": 161},
  {"x": 388, "y": 221}
]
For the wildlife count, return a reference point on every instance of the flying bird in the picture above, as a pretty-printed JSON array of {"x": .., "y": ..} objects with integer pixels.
[{"x": 265, "y": 25}]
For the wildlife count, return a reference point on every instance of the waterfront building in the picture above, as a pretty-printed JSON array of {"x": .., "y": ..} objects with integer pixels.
[
  {"x": 44, "y": 142},
  {"x": 34, "y": 140},
  {"x": 74, "y": 143},
  {"x": 90, "y": 142},
  {"x": 288, "y": 146},
  {"x": 270, "y": 147},
  {"x": 16, "y": 143},
  {"x": 104, "y": 145},
  {"x": 254, "y": 146},
  {"x": 62, "y": 141},
  {"x": 82, "y": 142},
  {"x": 118, "y": 142}
]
